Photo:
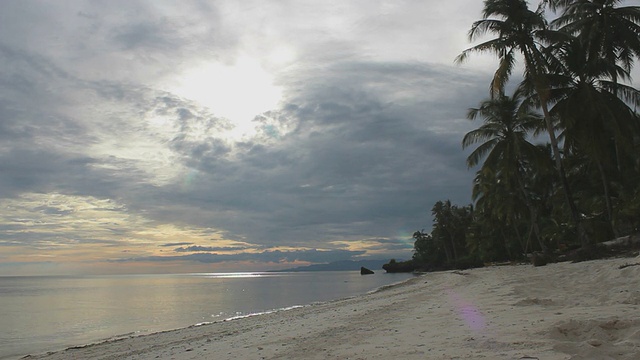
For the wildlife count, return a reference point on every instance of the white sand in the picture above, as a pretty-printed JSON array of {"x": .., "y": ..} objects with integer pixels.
[{"x": 589, "y": 310}]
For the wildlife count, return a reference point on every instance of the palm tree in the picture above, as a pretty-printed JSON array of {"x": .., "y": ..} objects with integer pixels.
[
  {"x": 593, "y": 118},
  {"x": 608, "y": 31},
  {"x": 508, "y": 121},
  {"x": 450, "y": 226},
  {"x": 601, "y": 42},
  {"x": 521, "y": 30},
  {"x": 497, "y": 204}
]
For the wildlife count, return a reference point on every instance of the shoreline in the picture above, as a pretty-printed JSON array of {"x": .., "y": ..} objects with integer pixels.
[
  {"x": 69, "y": 343},
  {"x": 66, "y": 311},
  {"x": 559, "y": 311},
  {"x": 68, "y": 352},
  {"x": 134, "y": 335}
]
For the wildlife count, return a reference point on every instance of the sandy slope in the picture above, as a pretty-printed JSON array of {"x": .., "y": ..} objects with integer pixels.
[{"x": 589, "y": 310}]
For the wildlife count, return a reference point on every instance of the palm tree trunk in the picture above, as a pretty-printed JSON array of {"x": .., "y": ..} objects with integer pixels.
[
  {"x": 453, "y": 245},
  {"x": 506, "y": 243},
  {"x": 447, "y": 251},
  {"x": 532, "y": 212},
  {"x": 575, "y": 215},
  {"x": 522, "y": 245},
  {"x": 526, "y": 246},
  {"x": 542, "y": 91},
  {"x": 536, "y": 230},
  {"x": 607, "y": 199}
]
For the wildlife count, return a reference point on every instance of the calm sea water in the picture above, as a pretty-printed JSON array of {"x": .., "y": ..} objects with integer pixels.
[{"x": 39, "y": 314}]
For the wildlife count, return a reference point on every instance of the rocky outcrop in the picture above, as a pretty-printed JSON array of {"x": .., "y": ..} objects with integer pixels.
[{"x": 365, "y": 271}]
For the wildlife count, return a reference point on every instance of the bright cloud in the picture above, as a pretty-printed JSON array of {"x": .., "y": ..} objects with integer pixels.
[{"x": 251, "y": 135}]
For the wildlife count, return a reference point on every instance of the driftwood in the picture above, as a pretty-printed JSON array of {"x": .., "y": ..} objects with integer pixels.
[
  {"x": 628, "y": 265},
  {"x": 624, "y": 241}
]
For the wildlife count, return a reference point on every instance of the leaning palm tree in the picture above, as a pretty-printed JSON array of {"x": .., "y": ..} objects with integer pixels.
[
  {"x": 508, "y": 121},
  {"x": 521, "y": 30}
]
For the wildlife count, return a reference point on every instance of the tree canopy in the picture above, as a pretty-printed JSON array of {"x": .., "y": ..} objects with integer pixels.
[{"x": 581, "y": 186}]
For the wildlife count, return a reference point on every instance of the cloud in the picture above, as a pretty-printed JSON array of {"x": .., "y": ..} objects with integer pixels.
[
  {"x": 197, "y": 248},
  {"x": 175, "y": 244},
  {"x": 365, "y": 155},
  {"x": 365, "y": 139},
  {"x": 275, "y": 256},
  {"x": 358, "y": 149}
]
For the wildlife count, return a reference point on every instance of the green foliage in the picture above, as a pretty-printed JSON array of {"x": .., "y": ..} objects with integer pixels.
[
  {"x": 468, "y": 262},
  {"x": 449, "y": 228},
  {"x": 446, "y": 245},
  {"x": 584, "y": 186},
  {"x": 394, "y": 266},
  {"x": 628, "y": 212},
  {"x": 428, "y": 251}
]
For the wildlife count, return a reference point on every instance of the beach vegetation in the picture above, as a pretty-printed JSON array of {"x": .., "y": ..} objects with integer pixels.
[
  {"x": 394, "y": 266},
  {"x": 557, "y": 160}
]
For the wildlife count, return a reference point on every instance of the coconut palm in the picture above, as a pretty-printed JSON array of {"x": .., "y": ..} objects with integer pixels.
[
  {"x": 508, "y": 122},
  {"x": 521, "y": 30},
  {"x": 608, "y": 31},
  {"x": 498, "y": 208},
  {"x": 593, "y": 118},
  {"x": 449, "y": 228}
]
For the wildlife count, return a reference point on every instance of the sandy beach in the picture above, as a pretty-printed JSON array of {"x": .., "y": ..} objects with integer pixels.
[{"x": 588, "y": 310}]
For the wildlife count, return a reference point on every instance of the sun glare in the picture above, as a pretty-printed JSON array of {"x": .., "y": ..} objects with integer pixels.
[{"x": 238, "y": 92}]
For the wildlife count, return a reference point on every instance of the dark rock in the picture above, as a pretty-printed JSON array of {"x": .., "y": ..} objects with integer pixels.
[
  {"x": 539, "y": 259},
  {"x": 365, "y": 271}
]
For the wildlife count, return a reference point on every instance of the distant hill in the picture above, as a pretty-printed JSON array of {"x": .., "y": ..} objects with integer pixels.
[{"x": 344, "y": 265}]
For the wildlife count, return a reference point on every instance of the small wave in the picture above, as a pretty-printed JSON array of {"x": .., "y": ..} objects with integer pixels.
[
  {"x": 133, "y": 333},
  {"x": 203, "y": 323},
  {"x": 264, "y": 312},
  {"x": 394, "y": 285}
]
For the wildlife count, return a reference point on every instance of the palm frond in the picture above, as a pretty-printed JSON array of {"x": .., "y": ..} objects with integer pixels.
[
  {"x": 476, "y": 136},
  {"x": 503, "y": 73},
  {"x": 480, "y": 152},
  {"x": 626, "y": 92},
  {"x": 481, "y": 27}
]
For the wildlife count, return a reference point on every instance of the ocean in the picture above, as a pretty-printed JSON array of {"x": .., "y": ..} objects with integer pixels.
[{"x": 47, "y": 313}]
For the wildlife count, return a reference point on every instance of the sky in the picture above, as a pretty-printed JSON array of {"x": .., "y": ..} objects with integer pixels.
[{"x": 206, "y": 136}]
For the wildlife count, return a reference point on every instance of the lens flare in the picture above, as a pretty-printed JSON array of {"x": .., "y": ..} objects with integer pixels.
[
  {"x": 468, "y": 312},
  {"x": 188, "y": 179}
]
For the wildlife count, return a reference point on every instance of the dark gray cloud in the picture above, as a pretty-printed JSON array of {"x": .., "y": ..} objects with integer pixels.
[
  {"x": 365, "y": 139},
  {"x": 357, "y": 163}
]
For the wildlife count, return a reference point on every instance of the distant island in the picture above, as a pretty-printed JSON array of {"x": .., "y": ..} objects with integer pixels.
[{"x": 343, "y": 265}]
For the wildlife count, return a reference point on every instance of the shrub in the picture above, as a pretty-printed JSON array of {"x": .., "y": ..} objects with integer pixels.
[
  {"x": 396, "y": 267},
  {"x": 468, "y": 262}
]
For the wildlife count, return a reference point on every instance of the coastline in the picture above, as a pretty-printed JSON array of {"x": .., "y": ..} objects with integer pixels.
[{"x": 559, "y": 311}]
